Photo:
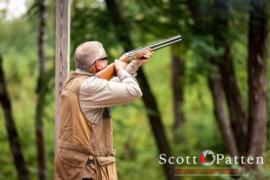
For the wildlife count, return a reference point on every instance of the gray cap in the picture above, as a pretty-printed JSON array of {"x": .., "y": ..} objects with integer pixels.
[{"x": 87, "y": 53}]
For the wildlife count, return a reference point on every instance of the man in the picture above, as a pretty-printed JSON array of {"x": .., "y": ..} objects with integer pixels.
[{"x": 85, "y": 147}]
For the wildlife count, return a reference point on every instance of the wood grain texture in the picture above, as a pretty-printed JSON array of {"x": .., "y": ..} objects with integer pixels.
[{"x": 62, "y": 41}]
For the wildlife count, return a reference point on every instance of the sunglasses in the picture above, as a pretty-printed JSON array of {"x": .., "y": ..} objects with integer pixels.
[{"x": 103, "y": 59}]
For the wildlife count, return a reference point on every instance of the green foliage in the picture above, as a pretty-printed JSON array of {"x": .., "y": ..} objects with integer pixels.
[{"x": 137, "y": 154}]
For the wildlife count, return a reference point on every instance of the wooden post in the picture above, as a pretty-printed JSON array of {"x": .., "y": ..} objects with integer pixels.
[{"x": 62, "y": 41}]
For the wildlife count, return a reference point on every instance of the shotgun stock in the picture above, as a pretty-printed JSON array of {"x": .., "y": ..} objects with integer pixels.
[{"x": 109, "y": 71}]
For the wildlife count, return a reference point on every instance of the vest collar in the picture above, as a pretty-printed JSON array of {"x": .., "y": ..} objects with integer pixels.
[{"x": 80, "y": 71}]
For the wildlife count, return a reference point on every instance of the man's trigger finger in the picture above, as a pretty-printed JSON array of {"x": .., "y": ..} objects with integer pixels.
[{"x": 146, "y": 56}]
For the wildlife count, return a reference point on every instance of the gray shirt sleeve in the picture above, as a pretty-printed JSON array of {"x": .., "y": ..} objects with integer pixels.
[
  {"x": 96, "y": 94},
  {"x": 131, "y": 69}
]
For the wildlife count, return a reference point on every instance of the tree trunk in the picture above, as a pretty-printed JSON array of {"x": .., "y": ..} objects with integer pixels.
[
  {"x": 178, "y": 73},
  {"x": 178, "y": 68},
  {"x": 234, "y": 101},
  {"x": 123, "y": 32},
  {"x": 40, "y": 90},
  {"x": 202, "y": 27},
  {"x": 220, "y": 114},
  {"x": 14, "y": 141},
  {"x": 257, "y": 80},
  {"x": 155, "y": 121},
  {"x": 228, "y": 78}
]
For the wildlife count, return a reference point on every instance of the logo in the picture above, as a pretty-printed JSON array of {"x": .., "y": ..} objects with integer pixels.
[
  {"x": 207, "y": 157},
  {"x": 214, "y": 161}
]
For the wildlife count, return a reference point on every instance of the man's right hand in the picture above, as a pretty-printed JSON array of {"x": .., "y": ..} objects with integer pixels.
[{"x": 119, "y": 65}]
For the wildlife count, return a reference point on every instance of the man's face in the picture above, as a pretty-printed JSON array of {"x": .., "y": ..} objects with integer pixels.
[{"x": 101, "y": 64}]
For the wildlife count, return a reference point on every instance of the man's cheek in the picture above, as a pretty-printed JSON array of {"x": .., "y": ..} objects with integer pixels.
[{"x": 104, "y": 66}]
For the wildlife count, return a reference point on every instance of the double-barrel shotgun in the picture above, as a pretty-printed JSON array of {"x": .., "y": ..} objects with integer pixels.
[{"x": 137, "y": 53}]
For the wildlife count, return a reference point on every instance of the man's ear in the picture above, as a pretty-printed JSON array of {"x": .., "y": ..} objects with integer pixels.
[{"x": 98, "y": 65}]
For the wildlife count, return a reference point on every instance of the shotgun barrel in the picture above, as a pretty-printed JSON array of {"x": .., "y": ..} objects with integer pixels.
[
  {"x": 155, "y": 46},
  {"x": 109, "y": 71}
]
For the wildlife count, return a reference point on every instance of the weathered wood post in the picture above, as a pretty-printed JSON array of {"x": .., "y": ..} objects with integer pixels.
[{"x": 62, "y": 41}]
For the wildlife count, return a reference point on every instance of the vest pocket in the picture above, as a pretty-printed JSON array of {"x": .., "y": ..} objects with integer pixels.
[
  {"x": 105, "y": 160},
  {"x": 72, "y": 158},
  {"x": 107, "y": 167}
]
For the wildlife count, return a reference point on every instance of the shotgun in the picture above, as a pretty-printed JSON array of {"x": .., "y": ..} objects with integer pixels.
[{"x": 109, "y": 71}]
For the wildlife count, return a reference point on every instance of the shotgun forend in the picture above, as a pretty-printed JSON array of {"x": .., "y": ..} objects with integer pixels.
[{"x": 155, "y": 46}]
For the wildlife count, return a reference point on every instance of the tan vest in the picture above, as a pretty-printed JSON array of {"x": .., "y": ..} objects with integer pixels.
[
  {"x": 85, "y": 150},
  {"x": 75, "y": 129}
]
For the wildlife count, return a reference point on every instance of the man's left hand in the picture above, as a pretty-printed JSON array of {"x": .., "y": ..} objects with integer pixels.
[{"x": 145, "y": 57}]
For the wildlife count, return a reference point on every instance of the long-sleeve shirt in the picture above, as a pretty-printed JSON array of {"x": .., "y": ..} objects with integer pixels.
[{"x": 97, "y": 94}]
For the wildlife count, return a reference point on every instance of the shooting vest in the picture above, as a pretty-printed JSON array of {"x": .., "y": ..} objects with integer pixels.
[{"x": 85, "y": 150}]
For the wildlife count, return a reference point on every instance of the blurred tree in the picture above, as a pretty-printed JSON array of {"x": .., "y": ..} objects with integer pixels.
[
  {"x": 257, "y": 79},
  {"x": 14, "y": 141},
  {"x": 123, "y": 33},
  {"x": 41, "y": 90},
  {"x": 178, "y": 66},
  {"x": 223, "y": 121},
  {"x": 225, "y": 65},
  {"x": 201, "y": 27},
  {"x": 251, "y": 142},
  {"x": 249, "y": 135},
  {"x": 178, "y": 71}
]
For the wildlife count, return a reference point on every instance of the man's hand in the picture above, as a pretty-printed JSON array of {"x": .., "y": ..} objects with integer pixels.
[
  {"x": 124, "y": 58},
  {"x": 142, "y": 56},
  {"x": 134, "y": 65},
  {"x": 145, "y": 55},
  {"x": 119, "y": 65}
]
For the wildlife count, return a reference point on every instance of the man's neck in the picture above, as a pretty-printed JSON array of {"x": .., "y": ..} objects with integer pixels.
[{"x": 78, "y": 70}]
